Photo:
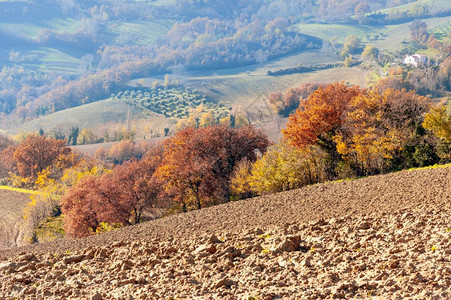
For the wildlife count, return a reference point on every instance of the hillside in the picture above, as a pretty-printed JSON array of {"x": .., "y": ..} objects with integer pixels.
[
  {"x": 12, "y": 204},
  {"x": 58, "y": 55},
  {"x": 244, "y": 88},
  {"x": 385, "y": 236}
]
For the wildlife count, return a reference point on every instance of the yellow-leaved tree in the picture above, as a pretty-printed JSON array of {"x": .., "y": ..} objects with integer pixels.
[
  {"x": 282, "y": 167},
  {"x": 51, "y": 187},
  {"x": 438, "y": 120}
]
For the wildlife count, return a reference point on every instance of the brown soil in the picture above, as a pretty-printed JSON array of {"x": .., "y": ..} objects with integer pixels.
[
  {"x": 12, "y": 226},
  {"x": 386, "y": 236}
]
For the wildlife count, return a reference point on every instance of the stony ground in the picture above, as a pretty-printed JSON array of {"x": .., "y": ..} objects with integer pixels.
[{"x": 378, "y": 237}]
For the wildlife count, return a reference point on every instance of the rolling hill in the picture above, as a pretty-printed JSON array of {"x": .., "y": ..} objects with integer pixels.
[
  {"x": 386, "y": 236},
  {"x": 59, "y": 41}
]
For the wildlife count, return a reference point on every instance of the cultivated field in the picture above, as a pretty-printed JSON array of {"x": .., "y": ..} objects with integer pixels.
[
  {"x": 12, "y": 204},
  {"x": 384, "y": 236},
  {"x": 142, "y": 33}
]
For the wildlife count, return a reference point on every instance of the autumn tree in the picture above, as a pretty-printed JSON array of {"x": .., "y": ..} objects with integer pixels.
[
  {"x": 368, "y": 132},
  {"x": 282, "y": 167},
  {"x": 117, "y": 197},
  {"x": 319, "y": 116},
  {"x": 438, "y": 120},
  {"x": 197, "y": 163},
  {"x": 286, "y": 103},
  {"x": 37, "y": 153},
  {"x": 7, "y": 149},
  {"x": 123, "y": 151},
  {"x": 137, "y": 186},
  {"x": 383, "y": 132},
  {"x": 80, "y": 207},
  {"x": 370, "y": 53},
  {"x": 392, "y": 82},
  {"x": 360, "y": 10},
  {"x": 419, "y": 31},
  {"x": 350, "y": 46}
]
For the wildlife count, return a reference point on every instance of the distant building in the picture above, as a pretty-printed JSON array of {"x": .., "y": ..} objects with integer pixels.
[{"x": 415, "y": 60}]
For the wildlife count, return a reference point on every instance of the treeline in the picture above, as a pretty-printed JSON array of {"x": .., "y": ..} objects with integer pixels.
[
  {"x": 344, "y": 132},
  {"x": 189, "y": 171},
  {"x": 286, "y": 103},
  {"x": 304, "y": 69},
  {"x": 337, "y": 132},
  {"x": 396, "y": 16}
]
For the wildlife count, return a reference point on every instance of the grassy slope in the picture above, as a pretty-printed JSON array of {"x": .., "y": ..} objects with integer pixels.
[
  {"x": 326, "y": 31},
  {"x": 85, "y": 116},
  {"x": 140, "y": 33},
  {"x": 392, "y": 35},
  {"x": 443, "y": 4},
  {"x": 396, "y": 34}
]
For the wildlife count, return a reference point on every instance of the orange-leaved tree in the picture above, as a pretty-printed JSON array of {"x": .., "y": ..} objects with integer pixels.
[
  {"x": 80, "y": 207},
  {"x": 381, "y": 130},
  {"x": 319, "y": 118},
  {"x": 36, "y": 153}
]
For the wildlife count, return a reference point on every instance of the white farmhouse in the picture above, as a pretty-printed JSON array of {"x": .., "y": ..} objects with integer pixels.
[{"x": 415, "y": 60}]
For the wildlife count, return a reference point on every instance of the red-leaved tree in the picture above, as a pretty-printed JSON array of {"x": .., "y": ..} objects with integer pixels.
[
  {"x": 198, "y": 163},
  {"x": 120, "y": 196}
]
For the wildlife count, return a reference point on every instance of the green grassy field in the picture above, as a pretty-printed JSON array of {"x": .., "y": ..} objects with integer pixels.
[
  {"x": 327, "y": 31},
  {"x": 441, "y": 32},
  {"x": 30, "y": 29},
  {"x": 142, "y": 33},
  {"x": 388, "y": 37},
  {"x": 52, "y": 60},
  {"x": 439, "y": 4}
]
